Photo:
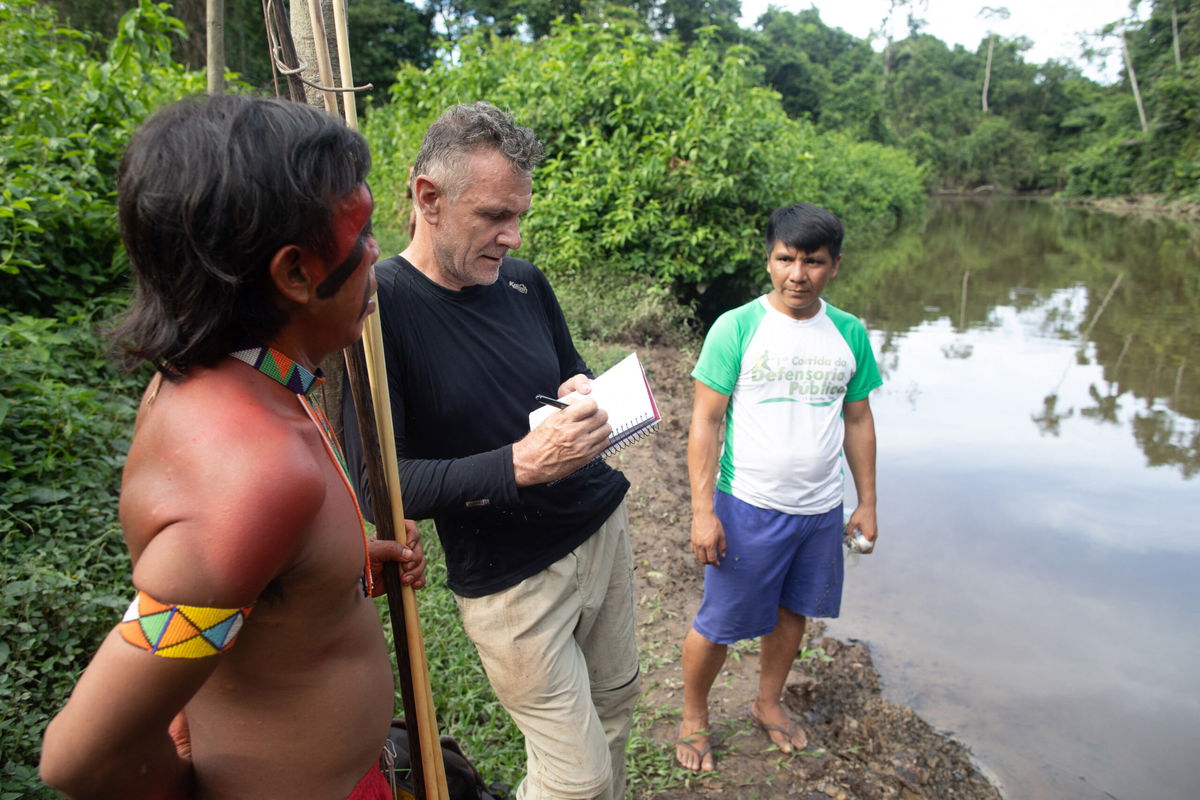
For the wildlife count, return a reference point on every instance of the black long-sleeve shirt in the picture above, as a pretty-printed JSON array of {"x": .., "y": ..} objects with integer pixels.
[{"x": 463, "y": 370}]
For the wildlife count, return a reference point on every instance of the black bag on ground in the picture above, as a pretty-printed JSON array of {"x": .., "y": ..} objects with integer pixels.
[{"x": 462, "y": 779}]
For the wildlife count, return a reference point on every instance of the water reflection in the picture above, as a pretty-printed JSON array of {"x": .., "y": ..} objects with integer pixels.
[
  {"x": 1125, "y": 293},
  {"x": 1039, "y": 441}
]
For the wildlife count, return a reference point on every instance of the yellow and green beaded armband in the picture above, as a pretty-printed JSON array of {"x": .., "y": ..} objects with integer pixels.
[{"x": 173, "y": 631}]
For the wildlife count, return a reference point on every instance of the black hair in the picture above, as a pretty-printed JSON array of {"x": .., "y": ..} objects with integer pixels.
[
  {"x": 806, "y": 228},
  {"x": 209, "y": 190}
]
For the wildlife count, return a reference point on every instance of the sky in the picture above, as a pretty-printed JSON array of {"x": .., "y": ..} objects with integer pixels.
[{"x": 1052, "y": 25}]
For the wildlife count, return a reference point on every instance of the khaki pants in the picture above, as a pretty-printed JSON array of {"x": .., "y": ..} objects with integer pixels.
[{"x": 560, "y": 653}]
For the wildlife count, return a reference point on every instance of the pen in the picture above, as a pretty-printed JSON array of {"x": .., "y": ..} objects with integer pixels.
[{"x": 549, "y": 401}]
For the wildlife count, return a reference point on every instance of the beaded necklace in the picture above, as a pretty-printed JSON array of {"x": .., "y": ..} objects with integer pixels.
[{"x": 278, "y": 367}]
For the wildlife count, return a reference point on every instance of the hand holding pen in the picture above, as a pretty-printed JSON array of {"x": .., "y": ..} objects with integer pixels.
[{"x": 564, "y": 441}]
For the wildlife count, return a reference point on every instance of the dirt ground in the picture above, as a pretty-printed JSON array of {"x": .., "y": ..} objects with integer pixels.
[{"x": 860, "y": 745}]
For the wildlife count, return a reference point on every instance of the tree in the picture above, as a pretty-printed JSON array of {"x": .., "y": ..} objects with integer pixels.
[
  {"x": 215, "y": 38},
  {"x": 662, "y": 160},
  {"x": 1133, "y": 82},
  {"x": 506, "y": 17},
  {"x": 823, "y": 74},
  {"x": 887, "y": 25},
  {"x": 67, "y": 117},
  {"x": 383, "y": 34},
  {"x": 988, "y": 12},
  {"x": 386, "y": 34},
  {"x": 1175, "y": 35},
  {"x": 685, "y": 18},
  {"x": 1149, "y": 134}
]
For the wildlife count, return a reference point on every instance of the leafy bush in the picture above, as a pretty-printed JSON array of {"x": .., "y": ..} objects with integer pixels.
[
  {"x": 662, "y": 165},
  {"x": 65, "y": 419},
  {"x": 66, "y": 120}
]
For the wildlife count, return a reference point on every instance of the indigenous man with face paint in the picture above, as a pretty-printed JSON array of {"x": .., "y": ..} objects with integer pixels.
[
  {"x": 788, "y": 375},
  {"x": 251, "y": 662},
  {"x": 535, "y": 536}
]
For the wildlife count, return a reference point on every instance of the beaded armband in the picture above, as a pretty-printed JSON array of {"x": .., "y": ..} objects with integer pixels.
[{"x": 173, "y": 631}]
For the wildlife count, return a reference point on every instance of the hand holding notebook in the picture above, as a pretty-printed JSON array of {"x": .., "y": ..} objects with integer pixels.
[{"x": 624, "y": 393}]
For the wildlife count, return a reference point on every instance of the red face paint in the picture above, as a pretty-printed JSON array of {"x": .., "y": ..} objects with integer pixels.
[
  {"x": 347, "y": 287},
  {"x": 352, "y": 241}
]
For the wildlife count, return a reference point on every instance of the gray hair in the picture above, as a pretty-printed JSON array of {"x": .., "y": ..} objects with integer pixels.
[{"x": 467, "y": 129}]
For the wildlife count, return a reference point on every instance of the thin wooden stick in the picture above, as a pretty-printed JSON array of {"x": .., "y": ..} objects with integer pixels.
[
  {"x": 402, "y": 600},
  {"x": 356, "y": 370},
  {"x": 324, "y": 65},
  {"x": 426, "y": 716},
  {"x": 282, "y": 49},
  {"x": 349, "y": 106}
]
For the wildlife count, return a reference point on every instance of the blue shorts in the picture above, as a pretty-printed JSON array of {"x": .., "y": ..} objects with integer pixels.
[{"x": 772, "y": 559}]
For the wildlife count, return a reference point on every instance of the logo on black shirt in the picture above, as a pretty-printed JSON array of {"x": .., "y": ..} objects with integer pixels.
[{"x": 520, "y": 287}]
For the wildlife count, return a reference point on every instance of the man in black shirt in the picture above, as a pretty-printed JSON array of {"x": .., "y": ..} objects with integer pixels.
[{"x": 535, "y": 532}]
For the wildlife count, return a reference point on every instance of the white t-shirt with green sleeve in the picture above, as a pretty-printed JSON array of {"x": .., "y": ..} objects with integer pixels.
[{"x": 786, "y": 380}]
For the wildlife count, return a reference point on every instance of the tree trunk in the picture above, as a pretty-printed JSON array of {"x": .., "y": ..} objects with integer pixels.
[
  {"x": 1137, "y": 95},
  {"x": 306, "y": 48},
  {"x": 312, "y": 57},
  {"x": 275, "y": 19},
  {"x": 987, "y": 71},
  {"x": 1175, "y": 35},
  {"x": 215, "y": 26}
]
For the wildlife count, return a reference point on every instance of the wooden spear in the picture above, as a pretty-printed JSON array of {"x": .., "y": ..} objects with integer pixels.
[{"x": 369, "y": 388}]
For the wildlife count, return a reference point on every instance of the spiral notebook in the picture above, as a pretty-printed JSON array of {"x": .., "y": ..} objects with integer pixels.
[{"x": 625, "y": 394}]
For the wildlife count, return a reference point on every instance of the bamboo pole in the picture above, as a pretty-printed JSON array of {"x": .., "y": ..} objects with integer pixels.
[
  {"x": 429, "y": 770},
  {"x": 349, "y": 106},
  {"x": 422, "y": 755}
]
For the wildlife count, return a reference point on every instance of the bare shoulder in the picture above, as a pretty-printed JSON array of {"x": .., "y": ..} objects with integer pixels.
[{"x": 221, "y": 486}]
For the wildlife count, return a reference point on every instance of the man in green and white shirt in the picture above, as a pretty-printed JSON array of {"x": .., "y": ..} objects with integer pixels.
[{"x": 789, "y": 375}]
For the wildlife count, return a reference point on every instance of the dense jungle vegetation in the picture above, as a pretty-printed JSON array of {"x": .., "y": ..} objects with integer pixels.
[{"x": 671, "y": 132}]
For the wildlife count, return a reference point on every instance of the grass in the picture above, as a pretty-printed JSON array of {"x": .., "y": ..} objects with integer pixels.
[
  {"x": 468, "y": 710},
  {"x": 651, "y": 768}
]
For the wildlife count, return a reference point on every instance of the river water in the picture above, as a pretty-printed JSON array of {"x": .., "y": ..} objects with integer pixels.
[{"x": 1036, "y": 588}]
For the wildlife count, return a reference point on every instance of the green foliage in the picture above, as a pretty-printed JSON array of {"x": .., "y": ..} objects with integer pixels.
[
  {"x": 650, "y": 767},
  {"x": 694, "y": 20},
  {"x": 1046, "y": 126},
  {"x": 1165, "y": 159},
  {"x": 67, "y": 117},
  {"x": 385, "y": 33},
  {"x": 65, "y": 419},
  {"x": 662, "y": 165},
  {"x": 508, "y": 17},
  {"x": 823, "y": 74},
  {"x": 382, "y": 34}
]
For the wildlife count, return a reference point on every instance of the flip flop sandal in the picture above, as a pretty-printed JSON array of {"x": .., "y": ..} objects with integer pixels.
[
  {"x": 701, "y": 752},
  {"x": 788, "y": 733}
]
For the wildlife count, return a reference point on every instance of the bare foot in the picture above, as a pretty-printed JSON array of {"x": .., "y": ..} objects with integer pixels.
[
  {"x": 693, "y": 750},
  {"x": 783, "y": 731}
]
